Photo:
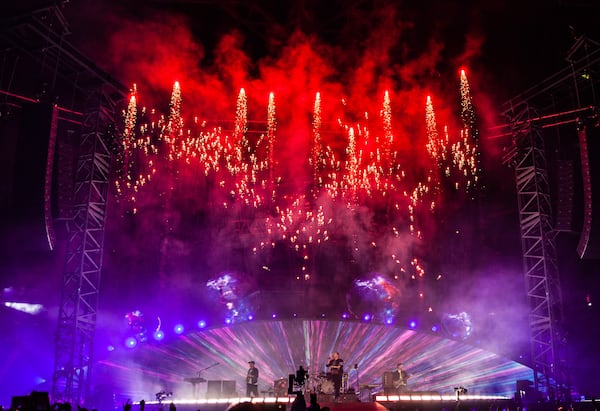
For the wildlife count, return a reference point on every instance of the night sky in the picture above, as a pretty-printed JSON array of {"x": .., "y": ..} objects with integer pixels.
[{"x": 162, "y": 248}]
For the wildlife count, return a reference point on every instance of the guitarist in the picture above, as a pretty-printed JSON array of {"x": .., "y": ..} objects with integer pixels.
[
  {"x": 400, "y": 378},
  {"x": 336, "y": 368}
]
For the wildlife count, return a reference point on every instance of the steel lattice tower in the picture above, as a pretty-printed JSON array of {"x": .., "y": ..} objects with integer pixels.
[
  {"x": 561, "y": 103},
  {"x": 35, "y": 42},
  {"x": 548, "y": 343},
  {"x": 83, "y": 259}
]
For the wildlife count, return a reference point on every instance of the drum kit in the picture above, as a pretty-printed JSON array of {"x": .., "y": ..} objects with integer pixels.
[{"x": 323, "y": 383}]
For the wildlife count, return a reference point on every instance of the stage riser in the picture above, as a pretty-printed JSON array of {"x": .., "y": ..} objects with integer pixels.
[
  {"x": 482, "y": 405},
  {"x": 343, "y": 398}
]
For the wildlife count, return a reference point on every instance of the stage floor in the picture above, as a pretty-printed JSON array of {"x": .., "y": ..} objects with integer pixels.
[{"x": 349, "y": 403}]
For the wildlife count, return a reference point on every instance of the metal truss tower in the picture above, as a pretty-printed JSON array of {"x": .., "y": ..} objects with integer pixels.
[
  {"x": 35, "y": 43},
  {"x": 558, "y": 103},
  {"x": 548, "y": 345},
  {"x": 83, "y": 260}
]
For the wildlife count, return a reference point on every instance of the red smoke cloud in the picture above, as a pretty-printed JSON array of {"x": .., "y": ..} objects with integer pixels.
[{"x": 352, "y": 82}]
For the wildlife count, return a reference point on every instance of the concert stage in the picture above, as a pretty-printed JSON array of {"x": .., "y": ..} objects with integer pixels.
[{"x": 408, "y": 402}]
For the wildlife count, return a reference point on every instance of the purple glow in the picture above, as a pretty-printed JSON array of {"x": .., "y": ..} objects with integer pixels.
[
  {"x": 159, "y": 335},
  {"x": 458, "y": 325},
  {"x": 412, "y": 324},
  {"x": 130, "y": 342},
  {"x": 375, "y": 294},
  {"x": 201, "y": 324},
  {"x": 179, "y": 329},
  {"x": 436, "y": 363},
  {"x": 367, "y": 317}
]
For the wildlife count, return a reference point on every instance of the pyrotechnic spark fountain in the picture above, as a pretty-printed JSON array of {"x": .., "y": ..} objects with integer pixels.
[
  {"x": 360, "y": 170},
  {"x": 317, "y": 161},
  {"x": 467, "y": 114},
  {"x": 470, "y": 134},
  {"x": 433, "y": 144},
  {"x": 388, "y": 134},
  {"x": 272, "y": 127}
]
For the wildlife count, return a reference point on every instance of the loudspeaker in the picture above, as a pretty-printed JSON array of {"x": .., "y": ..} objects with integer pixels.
[
  {"x": 565, "y": 196},
  {"x": 228, "y": 388},
  {"x": 213, "y": 389},
  {"x": 36, "y": 401},
  {"x": 22, "y": 402},
  {"x": 280, "y": 387},
  {"x": 387, "y": 380},
  {"x": 589, "y": 240},
  {"x": 220, "y": 388},
  {"x": 26, "y": 166}
]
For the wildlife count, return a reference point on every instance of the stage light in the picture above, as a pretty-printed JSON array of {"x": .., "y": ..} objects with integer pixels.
[
  {"x": 228, "y": 321},
  {"x": 389, "y": 321},
  {"x": 178, "y": 329},
  {"x": 323, "y": 315},
  {"x": 32, "y": 309},
  {"x": 412, "y": 324},
  {"x": 345, "y": 316},
  {"x": 110, "y": 348},
  {"x": 250, "y": 317},
  {"x": 274, "y": 315},
  {"x": 367, "y": 317},
  {"x": 434, "y": 328},
  {"x": 159, "y": 335},
  {"x": 201, "y": 324},
  {"x": 130, "y": 342}
]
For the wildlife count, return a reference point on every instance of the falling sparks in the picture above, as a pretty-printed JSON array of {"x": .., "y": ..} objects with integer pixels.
[
  {"x": 272, "y": 127},
  {"x": 243, "y": 167},
  {"x": 316, "y": 152},
  {"x": 470, "y": 133},
  {"x": 466, "y": 113},
  {"x": 386, "y": 116},
  {"x": 431, "y": 129}
]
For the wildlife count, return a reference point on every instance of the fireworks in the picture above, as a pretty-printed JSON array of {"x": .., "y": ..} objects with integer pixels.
[
  {"x": 470, "y": 132},
  {"x": 316, "y": 157},
  {"x": 360, "y": 170}
]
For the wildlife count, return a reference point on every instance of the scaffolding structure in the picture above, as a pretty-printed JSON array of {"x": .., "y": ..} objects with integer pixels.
[
  {"x": 561, "y": 103},
  {"x": 83, "y": 259},
  {"x": 542, "y": 281},
  {"x": 48, "y": 68}
]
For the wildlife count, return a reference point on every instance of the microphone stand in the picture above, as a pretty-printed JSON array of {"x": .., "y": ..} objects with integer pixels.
[
  {"x": 357, "y": 379},
  {"x": 194, "y": 385}
]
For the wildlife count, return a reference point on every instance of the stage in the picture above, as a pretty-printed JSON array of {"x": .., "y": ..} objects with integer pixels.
[{"x": 409, "y": 401}]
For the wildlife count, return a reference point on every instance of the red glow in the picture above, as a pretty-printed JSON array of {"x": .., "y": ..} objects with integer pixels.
[{"x": 310, "y": 150}]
